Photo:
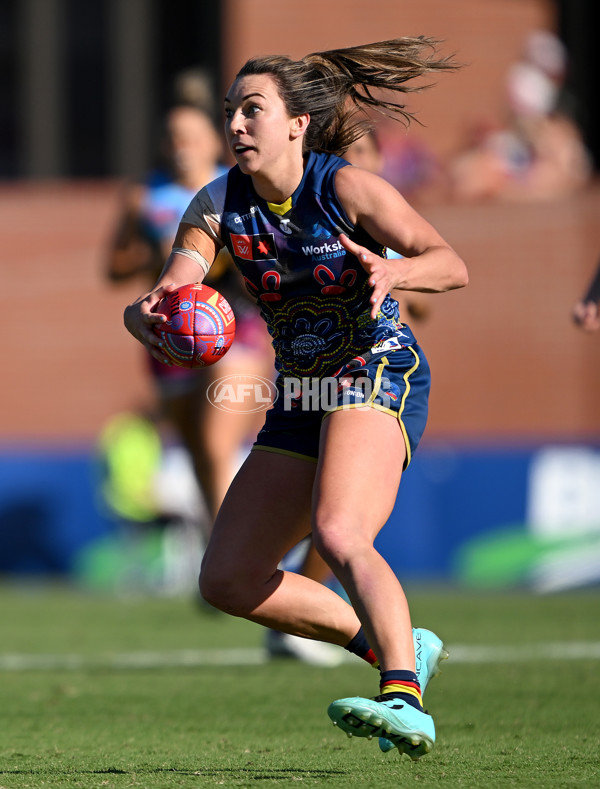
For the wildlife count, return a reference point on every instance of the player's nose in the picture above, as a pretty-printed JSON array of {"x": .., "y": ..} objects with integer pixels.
[{"x": 235, "y": 122}]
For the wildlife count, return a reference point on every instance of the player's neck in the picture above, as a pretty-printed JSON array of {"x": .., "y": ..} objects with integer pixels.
[{"x": 280, "y": 182}]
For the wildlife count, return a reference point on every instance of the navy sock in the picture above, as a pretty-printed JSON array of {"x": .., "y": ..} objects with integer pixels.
[
  {"x": 360, "y": 646},
  {"x": 402, "y": 685}
]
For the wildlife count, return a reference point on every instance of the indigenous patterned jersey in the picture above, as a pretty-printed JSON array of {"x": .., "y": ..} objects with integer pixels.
[{"x": 313, "y": 294}]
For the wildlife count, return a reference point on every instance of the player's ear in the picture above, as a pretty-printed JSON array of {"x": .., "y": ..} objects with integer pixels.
[{"x": 299, "y": 125}]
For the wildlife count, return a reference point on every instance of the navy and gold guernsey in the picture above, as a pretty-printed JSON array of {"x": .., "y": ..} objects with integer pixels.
[{"x": 315, "y": 298}]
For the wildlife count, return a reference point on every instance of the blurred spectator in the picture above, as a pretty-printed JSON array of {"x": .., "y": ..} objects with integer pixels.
[
  {"x": 409, "y": 164},
  {"x": 585, "y": 312},
  {"x": 539, "y": 154},
  {"x": 149, "y": 221}
]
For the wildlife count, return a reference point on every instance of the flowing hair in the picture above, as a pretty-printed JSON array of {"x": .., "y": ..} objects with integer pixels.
[{"x": 336, "y": 88}]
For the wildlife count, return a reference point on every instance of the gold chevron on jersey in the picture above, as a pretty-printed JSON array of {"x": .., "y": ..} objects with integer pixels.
[{"x": 280, "y": 209}]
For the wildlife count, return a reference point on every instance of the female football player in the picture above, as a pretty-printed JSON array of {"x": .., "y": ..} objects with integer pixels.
[{"x": 309, "y": 232}]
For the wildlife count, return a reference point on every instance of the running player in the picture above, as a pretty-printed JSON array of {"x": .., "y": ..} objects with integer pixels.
[{"x": 308, "y": 231}]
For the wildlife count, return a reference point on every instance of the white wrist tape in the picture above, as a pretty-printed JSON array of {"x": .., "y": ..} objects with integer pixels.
[{"x": 193, "y": 255}]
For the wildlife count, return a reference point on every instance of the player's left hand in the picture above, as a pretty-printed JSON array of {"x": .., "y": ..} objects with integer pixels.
[{"x": 380, "y": 271}]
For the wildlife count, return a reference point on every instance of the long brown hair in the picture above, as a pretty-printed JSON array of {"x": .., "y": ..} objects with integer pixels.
[{"x": 336, "y": 87}]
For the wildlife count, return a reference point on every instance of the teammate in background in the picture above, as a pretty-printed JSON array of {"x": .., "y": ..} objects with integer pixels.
[
  {"x": 213, "y": 438},
  {"x": 309, "y": 231},
  {"x": 366, "y": 153},
  {"x": 585, "y": 312}
]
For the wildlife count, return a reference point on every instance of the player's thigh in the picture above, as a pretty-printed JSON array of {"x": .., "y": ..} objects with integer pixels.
[
  {"x": 361, "y": 456},
  {"x": 265, "y": 513}
]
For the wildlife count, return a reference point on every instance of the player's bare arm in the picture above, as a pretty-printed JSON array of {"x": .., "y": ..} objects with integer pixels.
[{"x": 430, "y": 265}]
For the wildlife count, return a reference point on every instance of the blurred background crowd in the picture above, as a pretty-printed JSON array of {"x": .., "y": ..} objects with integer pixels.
[{"x": 111, "y": 120}]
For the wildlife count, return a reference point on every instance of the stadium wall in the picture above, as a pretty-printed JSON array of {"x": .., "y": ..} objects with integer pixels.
[
  {"x": 507, "y": 362},
  {"x": 512, "y": 377},
  {"x": 513, "y": 419},
  {"x": 487, "y": 37}
]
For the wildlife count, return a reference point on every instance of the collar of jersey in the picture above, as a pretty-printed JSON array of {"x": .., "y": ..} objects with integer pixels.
[{"x": 281, "y": 208}]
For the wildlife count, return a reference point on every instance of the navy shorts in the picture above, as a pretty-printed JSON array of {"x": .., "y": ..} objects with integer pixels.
[{"x": 396, "y": 382}]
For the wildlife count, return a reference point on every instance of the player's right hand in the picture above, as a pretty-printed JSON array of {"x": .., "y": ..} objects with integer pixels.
[
  {"x": 586, "y": 315},
  {"x": 140, "y": 319}
]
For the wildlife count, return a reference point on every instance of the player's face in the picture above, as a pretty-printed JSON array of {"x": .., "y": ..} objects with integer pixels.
[{"x": 257, "y": 125}]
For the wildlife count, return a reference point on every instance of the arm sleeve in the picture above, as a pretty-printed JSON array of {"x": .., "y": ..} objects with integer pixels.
[{"x": 206, "y": 209}]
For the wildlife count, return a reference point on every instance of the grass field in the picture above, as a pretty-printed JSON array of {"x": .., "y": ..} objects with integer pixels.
[{"x": 97, "y": 692}]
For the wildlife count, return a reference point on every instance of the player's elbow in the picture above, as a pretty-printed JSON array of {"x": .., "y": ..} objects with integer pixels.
[{"x": 458, "y": 275}]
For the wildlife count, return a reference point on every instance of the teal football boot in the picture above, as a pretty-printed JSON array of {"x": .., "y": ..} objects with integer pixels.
[
  {"x": 408, "y": 729},
  {"x": 429, "y": 653}
]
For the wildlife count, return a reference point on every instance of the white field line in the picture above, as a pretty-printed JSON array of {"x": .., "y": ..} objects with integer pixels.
[{"x": 459, "y": 653}]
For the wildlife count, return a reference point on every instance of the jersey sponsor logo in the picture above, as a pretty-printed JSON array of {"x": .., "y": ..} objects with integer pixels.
[
  {"x": 325, "y": 249},
  {"x": 352, "y": 391},
  {"x": 256, "y": 247},
  {"x": 240, "y": 219}
]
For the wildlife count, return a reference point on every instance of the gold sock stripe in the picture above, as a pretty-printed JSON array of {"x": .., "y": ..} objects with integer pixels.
[{"x": 399, "y": 688}]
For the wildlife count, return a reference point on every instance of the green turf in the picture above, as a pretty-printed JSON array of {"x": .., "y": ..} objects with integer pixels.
[{"x": 500, "y": 724}]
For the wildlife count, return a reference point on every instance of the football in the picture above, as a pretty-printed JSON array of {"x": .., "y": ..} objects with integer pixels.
[{"x": 200, "y": 325}]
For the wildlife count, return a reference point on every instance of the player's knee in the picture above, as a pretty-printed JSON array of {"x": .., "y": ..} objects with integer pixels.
[
  {"x": 338, "y": 540},
  {"x": 218, "y": 590},
  {"x": 230, "y": 592}
]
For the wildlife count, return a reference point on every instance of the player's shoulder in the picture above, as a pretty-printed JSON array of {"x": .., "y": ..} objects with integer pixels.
[
  {"x": 353, "y": 177},
  {"x": 218, "y": 186},
  {"x": 357, "y": 188},
  {"x": 211, "y": 197}
]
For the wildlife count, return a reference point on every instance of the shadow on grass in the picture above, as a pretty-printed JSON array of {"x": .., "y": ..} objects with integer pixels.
[
  {"x": 257, "y": 773},
  {"x": 53, "y": 771},
  {"x": 260, "y": 773}
]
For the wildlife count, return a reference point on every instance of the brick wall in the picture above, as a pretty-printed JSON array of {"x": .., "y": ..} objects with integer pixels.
[
  {"x": 506, "y": 361},
  {"x": 486, "y": 35}
]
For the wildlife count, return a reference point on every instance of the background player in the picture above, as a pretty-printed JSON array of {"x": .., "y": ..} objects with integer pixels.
[{"x": 191, "y": 150}]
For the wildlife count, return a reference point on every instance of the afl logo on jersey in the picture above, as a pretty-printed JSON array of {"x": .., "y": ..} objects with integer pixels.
[{"x": 257, "y": 247}]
